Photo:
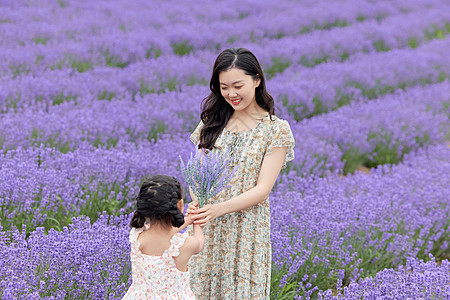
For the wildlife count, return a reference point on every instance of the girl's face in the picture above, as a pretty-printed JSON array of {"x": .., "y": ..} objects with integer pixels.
[{"x": 238, "y": 89}]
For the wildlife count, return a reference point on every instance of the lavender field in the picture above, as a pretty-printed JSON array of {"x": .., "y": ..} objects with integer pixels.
[{"x": 95, "y": 95}]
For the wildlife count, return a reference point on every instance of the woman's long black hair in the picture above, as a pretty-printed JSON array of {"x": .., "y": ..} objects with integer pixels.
[
  {"x": 215, "y": 110},
  {"x": 157, "y": 200}
]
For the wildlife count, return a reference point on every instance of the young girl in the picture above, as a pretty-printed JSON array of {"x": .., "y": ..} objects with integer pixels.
[
  {"x": 159, "y": 253},
  {"x": 239, "y": 115}
]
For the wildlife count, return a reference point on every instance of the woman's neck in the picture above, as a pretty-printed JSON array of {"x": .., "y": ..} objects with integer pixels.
[{"x": 245, "y": 120}]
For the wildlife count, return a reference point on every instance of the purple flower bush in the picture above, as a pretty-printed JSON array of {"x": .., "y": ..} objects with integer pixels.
[
  {"x": 414, "y": 281},
  {"x": 336, "y": 230},
  {"x": 110, "y": 36},
  {"x": 82, "y": 261},
  {"x": 94, "y": 96},
  {"x": 44, "y": 187},
  {"x": 403, "y": 122}
]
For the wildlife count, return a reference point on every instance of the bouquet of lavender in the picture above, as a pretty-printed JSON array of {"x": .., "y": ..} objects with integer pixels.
[{"x": 207, "y": 173}]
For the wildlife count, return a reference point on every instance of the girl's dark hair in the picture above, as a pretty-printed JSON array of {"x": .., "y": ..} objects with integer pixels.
[
  {"x": 215, "y": 110},
  {"x": 157, "y": 200}
]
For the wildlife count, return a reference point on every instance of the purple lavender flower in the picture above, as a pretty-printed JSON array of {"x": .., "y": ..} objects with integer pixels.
[{"x": 207, "y": 173}]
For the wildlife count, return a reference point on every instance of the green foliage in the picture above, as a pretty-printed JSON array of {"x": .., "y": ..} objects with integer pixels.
[
  {"x": 193, "y": 80},
  {"x": 381, "y": 89},
  {"x": 39, "y": 137},
  {"x": 288, "y": 291},
  {"x": 40, "y": 40},
  {"x": 446, "y": 107},
  {"x": 353, "y": 158},
  {"x": 55, "y": 215},
  {"x": 11, "y": 101},
  {"x": 182, "y": 48},
  {"x": 279, "y": 35},
  {"x": 279, "y": 64},
  {"x": 380, "y": 46},
  {"x": 310, "y": 63},
  {"x": 114, "y": 61},
  {"x": 436, "y": 32},
  {"x": 145, "y": 89},
  {"x": 81, "y": 65},
  {"x": 38, "y": 59},
  {"x": 153, "y": 53},
  {"x": 361, "y": 18},
  {"x": 344, "y": 56},
  {"x": 108, "y": 144},
  {"x": 328, "y": 25},
  {"x": 298, "y": 111},
  {"x": 105, "y": 95},
  {"x": 385, "y": 152},
  {"x": 442, "y": 76},
  {"x": 252, "y": 37},
  {"x": 17, "y": 70},
  {"x": 157, "y": 129},
  {"x": 62, "y": 4},
  {"x": 304, "y": 29},
  {"x": 243, "y": 15},
  {"x": 342, "y": 99},
  {"x": 233, "y": 39},
  {"x": 104, "y": 199},
  {"x": 381, "y": 17},
  {"x": 61, "y": 98},
  {"x": 319, "y": 108},
  {"x": 170, "y": 85},
  {"x": 52, "y": 217},
  {"x": 413, "y": 43}
]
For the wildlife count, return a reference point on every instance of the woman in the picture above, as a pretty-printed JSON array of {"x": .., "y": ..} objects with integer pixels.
[{"x": 238, "y": 116}]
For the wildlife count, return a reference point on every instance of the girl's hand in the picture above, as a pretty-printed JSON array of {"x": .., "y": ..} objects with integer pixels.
[
  {"x": 188, "y": 220},
  {"x": 192, "y": 208},
  {"x": 206, "y": 214}
]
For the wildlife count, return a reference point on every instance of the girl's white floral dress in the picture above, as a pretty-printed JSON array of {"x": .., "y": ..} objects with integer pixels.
[{"x": 157, "y": 277}]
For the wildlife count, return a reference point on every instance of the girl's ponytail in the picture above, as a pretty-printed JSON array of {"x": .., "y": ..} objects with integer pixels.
[{"x": 138, "y": 220}]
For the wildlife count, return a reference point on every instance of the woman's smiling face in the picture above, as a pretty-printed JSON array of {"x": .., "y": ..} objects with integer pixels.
[{"x": 238, "y": 89}]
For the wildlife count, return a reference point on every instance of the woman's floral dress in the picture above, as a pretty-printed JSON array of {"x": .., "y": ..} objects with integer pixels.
[
  {"x": 236, "y": 260},
  {"x": 157, "y": 277}
]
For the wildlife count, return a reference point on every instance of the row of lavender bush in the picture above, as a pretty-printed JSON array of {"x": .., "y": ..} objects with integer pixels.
[
  {"x": 119, "y": 123},
  {"x": 302, "y": 94},
  {"x": 171, "y": 72},
  {"x": 101, "y": 176},
  {"x": 331, "y": 231},
  {"x": 342, "y": 229},
  {"x": 417, "y": 280},
  {"x": 117, "y": 39}
]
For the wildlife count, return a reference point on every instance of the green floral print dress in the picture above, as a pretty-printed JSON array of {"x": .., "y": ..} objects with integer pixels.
[{"x": 236, "y": 260}]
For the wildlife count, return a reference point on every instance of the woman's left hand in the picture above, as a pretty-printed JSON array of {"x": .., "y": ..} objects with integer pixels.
[{"x": 206, "y": 214}]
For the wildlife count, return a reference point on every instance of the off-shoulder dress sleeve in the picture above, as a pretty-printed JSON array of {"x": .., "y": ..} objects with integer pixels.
[
  {"x": 195, "y": 136},
  {"x": 281, "y": 136},
  {"x": 177, "y": 241}
]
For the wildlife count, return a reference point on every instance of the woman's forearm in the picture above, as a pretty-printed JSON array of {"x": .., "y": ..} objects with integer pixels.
[{"x": 245, "y": 200}]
